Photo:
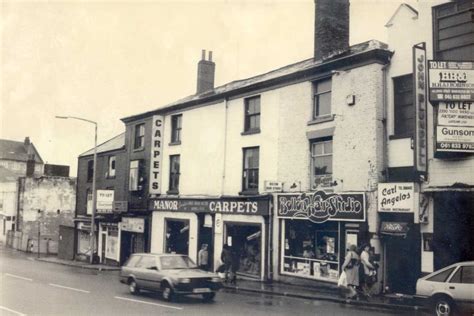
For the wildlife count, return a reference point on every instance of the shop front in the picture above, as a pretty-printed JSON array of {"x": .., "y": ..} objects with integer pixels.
[
  {"x": 133, "y": 230},
  {"x": 185, "y": 225},
  {"x": 109, "y": 243},
  {"x": 315, "y": 230}
]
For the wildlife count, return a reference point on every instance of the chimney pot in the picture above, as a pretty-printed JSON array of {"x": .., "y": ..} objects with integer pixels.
[
  {"x": 203, "y": 54},
  {"x": 27, "y": 141},
  {"x": 210, "y": 55}
]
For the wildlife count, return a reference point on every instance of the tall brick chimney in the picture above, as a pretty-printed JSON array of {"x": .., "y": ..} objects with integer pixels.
[
  {"x": 205, "y": 75},
  {"x": 331, "y": 27}
]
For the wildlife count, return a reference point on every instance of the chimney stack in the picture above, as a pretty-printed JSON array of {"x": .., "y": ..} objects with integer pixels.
[
  {"x": 27, "y": 142},
  {"x": 331, "y": 27},
  {"x": 205, "y": 75}
]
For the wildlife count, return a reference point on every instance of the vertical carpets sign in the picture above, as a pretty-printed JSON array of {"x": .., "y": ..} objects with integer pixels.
[
  {"x": 156, "y": 154},
  {"x": 419, "y": 71}
]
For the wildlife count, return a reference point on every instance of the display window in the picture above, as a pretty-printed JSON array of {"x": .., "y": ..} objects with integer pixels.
[
  {"x": 177, "y": 236},
  {"x": 311, "y": 250},
  {"x": 245, "y": 243}
]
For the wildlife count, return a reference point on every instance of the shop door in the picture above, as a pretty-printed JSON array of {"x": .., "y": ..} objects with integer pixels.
[
  {"x": 403, "y": 263},
  {"x": 103, "y": 247},
  {"x": 206, "y": 237},
  {"x": 246, "y": 245}
]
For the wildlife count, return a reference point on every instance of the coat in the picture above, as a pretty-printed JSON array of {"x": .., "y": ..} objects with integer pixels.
[{"x": 351, "y": 269}]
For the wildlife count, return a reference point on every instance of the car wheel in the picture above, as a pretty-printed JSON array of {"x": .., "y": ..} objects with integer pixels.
[
  {"x": 443, "y": 306},
  {"x": 133, "y": 287},
  {"x": 208, "y": 296},
  {"x": 167, "y": 292}
]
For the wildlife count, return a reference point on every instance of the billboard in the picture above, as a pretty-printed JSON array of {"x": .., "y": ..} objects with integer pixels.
[{"x": 451, "y": 80}]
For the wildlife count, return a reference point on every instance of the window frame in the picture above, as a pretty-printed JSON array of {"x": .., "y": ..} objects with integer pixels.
[
  {"x": 139, "y": 136},
  {"x": 402, "y": 128},
  {"x": 90, "y": 170},
  {"x": 112, "y": 161},
  {"x": 134, "y": 186},
  {"x": 176, "y": 128},
  {"x": 173, "y": 181},
  {"x": 245, "y": 171},
  {"x": 248, "y": 128},
  {"x": 316, "y": 96},
  {"x": 313, "y": 157}
]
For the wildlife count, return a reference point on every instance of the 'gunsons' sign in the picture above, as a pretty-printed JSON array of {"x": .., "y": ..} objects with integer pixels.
[
  {"x": 396, "y": 197},
  {"x": 455, "y": 128},
  {"x": 156, "y": 154},
  {"x": 319, "y": 207},
  {"x": 241, "y": 206}
]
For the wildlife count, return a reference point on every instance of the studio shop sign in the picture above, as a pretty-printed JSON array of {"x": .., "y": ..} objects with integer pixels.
[{"x": 320, "y": 206}]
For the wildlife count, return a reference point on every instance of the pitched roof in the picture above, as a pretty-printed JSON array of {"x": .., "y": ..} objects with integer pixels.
[
  {"x": 115, "y": 143},
  {"x": 272, "y": 75},
  {"x": 14, "y": 150},
  {"x": 400, "y": 7}
]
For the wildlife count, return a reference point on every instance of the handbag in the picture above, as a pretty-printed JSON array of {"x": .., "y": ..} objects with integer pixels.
[{"x": 342, "y": 282}]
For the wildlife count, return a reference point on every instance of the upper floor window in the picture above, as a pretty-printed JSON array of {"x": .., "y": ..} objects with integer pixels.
[
  {"x": 176, "y": 125},
  {"x": 321, "y": 163},
  {"x": 139, "y": 136},
  {"x": 322, "y": 98},
  {"x": 111, "y": 171},
  {"x": 250, "y": 170},
  {"x": 252, "y": 114},
  {"x": 136, "y": 175},
  {"x": 90, "y": 170},
  {"x": 174, "y": 174},
  {"x": 404, "y": 106}
]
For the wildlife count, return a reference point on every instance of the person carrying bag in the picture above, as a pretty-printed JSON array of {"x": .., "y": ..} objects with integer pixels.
[{"x": 350, "y": 268}]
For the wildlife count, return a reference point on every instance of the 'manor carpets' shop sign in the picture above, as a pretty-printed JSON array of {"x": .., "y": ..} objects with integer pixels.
[
  {"x": 320, "y": 206},
  {"x": 455, "y": 127}
]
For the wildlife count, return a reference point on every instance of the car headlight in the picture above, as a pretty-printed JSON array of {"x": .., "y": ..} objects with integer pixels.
[
  {"x": 186, "y": 280},
  {"x": 216, "y": 279}
]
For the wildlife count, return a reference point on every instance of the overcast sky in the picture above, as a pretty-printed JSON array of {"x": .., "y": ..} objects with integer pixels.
[{"x": 107, "y": 60}]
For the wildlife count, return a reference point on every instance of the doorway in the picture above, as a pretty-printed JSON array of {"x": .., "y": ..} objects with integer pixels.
[
  {"x": 103, "y": 246},
  {"x": 177, "y": 236},
  {"x": 245, "y": 241}
]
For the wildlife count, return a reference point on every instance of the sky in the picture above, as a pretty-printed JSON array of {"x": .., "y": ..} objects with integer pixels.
[{"x": 105, "y": 60}]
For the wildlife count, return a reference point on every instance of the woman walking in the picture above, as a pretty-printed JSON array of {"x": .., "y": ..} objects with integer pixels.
[{"x": 351, "y": 268}]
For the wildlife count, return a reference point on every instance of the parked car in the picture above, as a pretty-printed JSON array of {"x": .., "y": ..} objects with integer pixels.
[
  {"x": 170, "y": 274},
  {"x": 449, "y": 291}
]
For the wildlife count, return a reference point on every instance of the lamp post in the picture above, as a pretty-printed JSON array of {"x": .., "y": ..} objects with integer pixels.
[{"x": 94, "y": 191}]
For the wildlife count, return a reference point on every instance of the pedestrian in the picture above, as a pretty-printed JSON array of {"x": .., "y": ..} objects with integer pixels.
[
  {"x": 203, "y": 257},
  {"x": 234, "y": 266},
  {"x": 226, "y": 258},
  {"x": 351, "y": 268},
  {"x": 368, "y": 269}
]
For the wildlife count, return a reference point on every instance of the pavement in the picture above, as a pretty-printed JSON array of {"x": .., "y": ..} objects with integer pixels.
[{"x": 322, "y": 291}]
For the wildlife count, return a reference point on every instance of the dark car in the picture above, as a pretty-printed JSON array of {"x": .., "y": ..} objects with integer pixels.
[{"x": 170, "y": 274}]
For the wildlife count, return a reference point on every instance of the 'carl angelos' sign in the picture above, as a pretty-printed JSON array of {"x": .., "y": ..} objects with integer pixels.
[
  {"x": 396, "y": 197},
  {"x": 320, "y": 206}
]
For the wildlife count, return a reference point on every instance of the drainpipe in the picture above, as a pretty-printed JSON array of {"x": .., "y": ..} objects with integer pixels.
[{"x": 226, "y": 104}]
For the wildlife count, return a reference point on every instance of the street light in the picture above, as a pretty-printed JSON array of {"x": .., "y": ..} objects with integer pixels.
[{"x": 94, "y": 191}]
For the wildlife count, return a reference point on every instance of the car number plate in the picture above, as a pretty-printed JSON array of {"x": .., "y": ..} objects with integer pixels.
[{"x": 201, "y": 290}]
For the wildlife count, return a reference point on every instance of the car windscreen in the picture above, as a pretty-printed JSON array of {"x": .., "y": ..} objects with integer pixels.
[{"x": 176, "y": 262}]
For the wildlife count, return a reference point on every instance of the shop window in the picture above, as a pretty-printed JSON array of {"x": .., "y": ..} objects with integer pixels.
[
  {"x": 90, "y": 170},
  {"x": 136, "y": 175},
  {"x": 321, "y": 163},
  {"x": 177, "y": 236},
  {"x": 311, "y": 250},
  {"x": 111, "y": 172},
  {"x": 404, "y": 106},
  {"x": 174, "y": 174},
  {"x": 322, "y": 98},
  {"x": 251, "y": 168},
  {"x": 139, "y": 141},
  {"x": 252, "y": 114},
  {"x": 245, "y": 240},
  {"x": 112, "y": 244},
  {"x": 176, "y": 125}
]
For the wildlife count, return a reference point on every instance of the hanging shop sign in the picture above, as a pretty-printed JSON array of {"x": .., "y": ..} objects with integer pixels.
[
  {"x": 320, "y": 206},
  {"x": 419, "y": 70},
  {"x": 455, "y": 127},
  {"x": 396, "y": 197},
  {"x": 105, "y": 201},
  {"x": 156, "y": 154},
  {"x": 132, "y": 224},
  {"x": 120, "y": 206},
  {"x": 451, "y": 80},
  {"x": 226, "y": 206},
  {"x": 394, "y": 228}
]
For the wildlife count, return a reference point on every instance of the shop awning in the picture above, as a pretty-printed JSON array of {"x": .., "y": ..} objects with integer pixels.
[{"x": 399, "y": 229}]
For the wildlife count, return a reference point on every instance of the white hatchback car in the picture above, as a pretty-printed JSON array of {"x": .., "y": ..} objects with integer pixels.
[{"x": 449, "y": 291}]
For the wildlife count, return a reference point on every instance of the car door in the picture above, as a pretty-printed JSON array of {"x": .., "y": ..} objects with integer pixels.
[
  {"x": 148, "y": 269},
  {"x": 461, "y": 284}
]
